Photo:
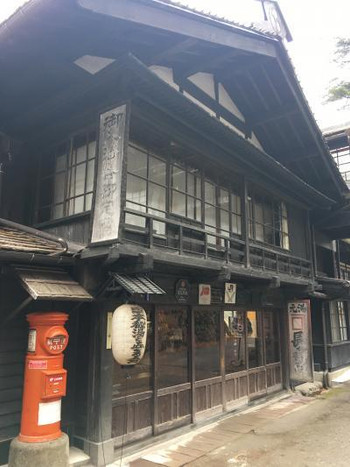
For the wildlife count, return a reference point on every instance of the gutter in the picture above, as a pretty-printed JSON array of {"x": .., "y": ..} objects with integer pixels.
[{"x": 35, "y": 258}]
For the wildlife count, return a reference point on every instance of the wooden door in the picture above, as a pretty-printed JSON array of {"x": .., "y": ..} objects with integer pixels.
[
  {"x": 172, "y": 367},
  {"x": 208, "y": 362},
  {"x": 132, "y": 403}
]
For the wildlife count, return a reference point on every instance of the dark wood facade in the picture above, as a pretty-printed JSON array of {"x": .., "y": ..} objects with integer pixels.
[{"x": 224, "y": 176}]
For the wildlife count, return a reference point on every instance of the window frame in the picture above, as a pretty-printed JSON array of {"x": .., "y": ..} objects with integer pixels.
[
  {"x": 278, "y": 229},
  {"x": 339, "y": 321},
  {"x": 68, "y": 171}
]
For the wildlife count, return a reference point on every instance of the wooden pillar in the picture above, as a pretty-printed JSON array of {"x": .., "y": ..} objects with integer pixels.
[
  {"x": 98, "y": 442},
  {"x": 245, "y": 223}
]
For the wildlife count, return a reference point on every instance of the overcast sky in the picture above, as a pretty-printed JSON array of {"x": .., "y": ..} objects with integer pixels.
[{"x": 314, "y": 24}]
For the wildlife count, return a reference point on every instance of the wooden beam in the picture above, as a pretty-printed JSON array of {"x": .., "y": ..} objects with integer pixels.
[
  {"x": 169, "y": 52},
  {"x": 309, "y": 122},
  {"x": 272, "y": 115},
  {"x": 204, "y": 98},
  {"x": 177, "y": 19},
  {"x": 206, "y": 63}
]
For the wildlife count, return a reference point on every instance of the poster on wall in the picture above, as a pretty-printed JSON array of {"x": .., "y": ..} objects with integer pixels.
[
  {"x": 230, "y": 292},
  {"x": 107, "y": 204},
  {"x": 204, "y": 294},
  {"x": 299, "y": 341}
]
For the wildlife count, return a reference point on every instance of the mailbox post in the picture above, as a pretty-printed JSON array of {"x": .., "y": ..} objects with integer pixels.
[{"x": 44, "y": 386}]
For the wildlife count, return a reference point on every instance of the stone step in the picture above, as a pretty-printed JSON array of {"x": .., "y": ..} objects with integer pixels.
[{"x": 77, "y": 457}]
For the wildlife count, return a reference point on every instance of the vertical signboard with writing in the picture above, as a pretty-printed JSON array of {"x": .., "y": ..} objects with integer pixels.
[
  {"x": 107, "y": 205},
  {"x": 299, "y": 341}
]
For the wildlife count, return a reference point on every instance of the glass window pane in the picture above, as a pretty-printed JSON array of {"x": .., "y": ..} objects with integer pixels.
[
  {"x": 156, "y": 196},
  {"x": 209, "y": 190},
  {"x": 172, "y": 347},
  {"x": 61, "y": 162},
  {"x": 88, "y": 202},
  {"x": 268, "y": 215},
  {"x": 81, "y": 154},
  {"x": 198, "y": 210},
  {"x": 207, "y": 349},
  {"x": 178, "y": 178},
  {"x": 236, "y": 224},
  {"x": 178, "y": 203},
  {"x": 271, "y": 337},
  {"x": 90, "y": 175},
  {"x": 224, "y": 200},
  {"x": 138, "y": 378},
  {"x": 79, "y": 205},
  {"x": 137, "y": 161},
  {"x": 71, "y": 180},
  {"x": 224, "y": 221},
  {"x": 235, "y": 356},
  {"x": 210, "y": 215},
  {"x": 71, "y": 207},
  {"x": 92, "y": 150},
  {"x": 236, "y": 204},
  {"x": 198, "y": 187},
  {"x": 285, "y": 241},
  {"x": 259, "y": 232},
  {"x": 190, "y": 207},
  {"x": 136, "y": 190},
  {"x": 335, "y": 329},
  {"x": 190, "y": 184},
  {"x": 135, "y": 220},
  {"x": 259, "y": 213},
  {"x": 254, "y": 341},
  {"x": 80, "y": 179},
  {"x": 59, "y": 188},
  {"x": 57, "y": 211},
  {"x": 157, "y": 170}
]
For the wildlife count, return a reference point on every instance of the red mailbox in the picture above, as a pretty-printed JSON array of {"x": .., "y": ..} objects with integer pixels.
[{"x": 44, "y": 377}]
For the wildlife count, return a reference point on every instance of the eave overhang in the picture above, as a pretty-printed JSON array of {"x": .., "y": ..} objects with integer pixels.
[
  {"x": 285, "y": 127},
  {"x": 154, "y": 90}
]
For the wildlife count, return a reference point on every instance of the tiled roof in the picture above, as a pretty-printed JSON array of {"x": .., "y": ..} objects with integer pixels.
[
  {"x": 16, "y": 240},
  {"x": 209, "y": 15}
]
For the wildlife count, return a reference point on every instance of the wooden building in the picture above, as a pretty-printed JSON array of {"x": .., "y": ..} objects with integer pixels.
[
  {"x": 331, "y": 324},
  {"x": 210, "y": 170}
]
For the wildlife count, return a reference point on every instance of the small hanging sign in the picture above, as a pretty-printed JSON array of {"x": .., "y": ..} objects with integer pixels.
[
  {"x": 230, "y": 292},
  {"x": 204, "y": 294},
  {"x": 182, "y": 291}
]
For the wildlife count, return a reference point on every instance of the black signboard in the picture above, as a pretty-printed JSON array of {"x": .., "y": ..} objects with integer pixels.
[{"x": 182, "y": 291}]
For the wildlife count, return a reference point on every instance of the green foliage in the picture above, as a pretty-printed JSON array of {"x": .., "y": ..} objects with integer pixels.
[{"x": 340, "y": 91}]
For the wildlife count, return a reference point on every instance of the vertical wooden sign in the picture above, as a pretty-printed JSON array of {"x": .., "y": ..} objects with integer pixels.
[
  {"x": 300, "y": 341},
  {"x": 107, "y": 205}
]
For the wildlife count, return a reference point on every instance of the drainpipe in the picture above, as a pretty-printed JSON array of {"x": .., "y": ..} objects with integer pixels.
[{"x": 325, "y": 352}]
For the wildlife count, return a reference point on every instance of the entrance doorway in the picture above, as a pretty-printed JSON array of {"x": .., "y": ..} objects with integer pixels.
[{"x": 199, "y": 361}]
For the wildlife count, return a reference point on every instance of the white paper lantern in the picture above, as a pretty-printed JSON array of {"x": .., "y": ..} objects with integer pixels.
[{"x": 129, "y": 334}]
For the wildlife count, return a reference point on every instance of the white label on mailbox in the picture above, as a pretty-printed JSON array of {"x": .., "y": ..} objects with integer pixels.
[
  {"x": 32, "y": 340},
  {"x": 49, "y": 412}
]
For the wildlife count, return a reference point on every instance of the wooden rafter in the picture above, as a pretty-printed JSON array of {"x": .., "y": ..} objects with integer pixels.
[
  {"x": 175, "y": 49},
  {"x": 205, "y": 64}
]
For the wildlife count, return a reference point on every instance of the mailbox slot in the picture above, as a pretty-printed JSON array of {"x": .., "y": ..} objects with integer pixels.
[{"x": 54, "y": 384}]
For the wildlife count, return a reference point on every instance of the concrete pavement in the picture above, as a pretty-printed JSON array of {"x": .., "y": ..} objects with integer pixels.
[{"x": 266, "y": 435}]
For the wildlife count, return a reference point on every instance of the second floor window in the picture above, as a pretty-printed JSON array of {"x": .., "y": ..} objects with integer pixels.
[
  {"x": 146, "y": 187},
  {"x": 268, "y": 221},
  {"x": 67, "y": 177}
]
